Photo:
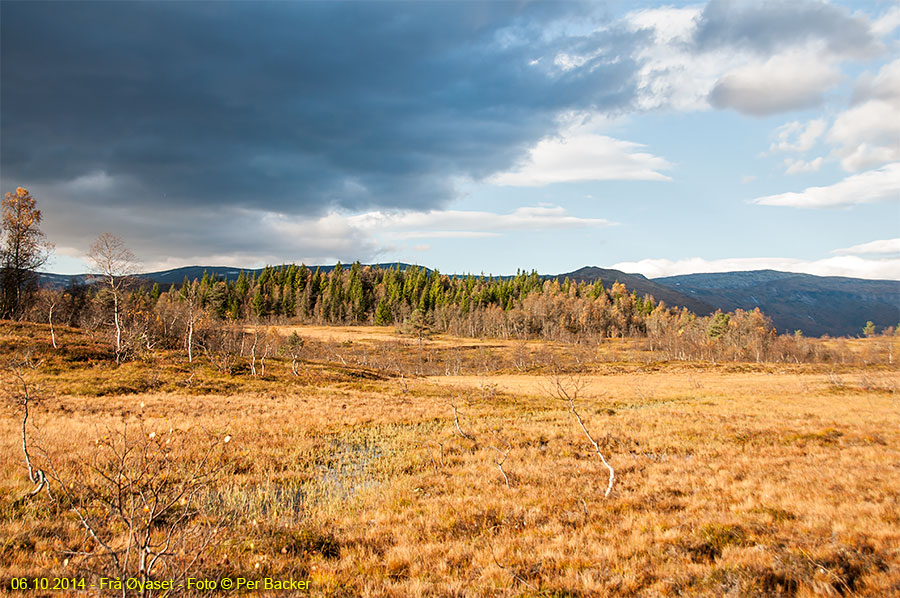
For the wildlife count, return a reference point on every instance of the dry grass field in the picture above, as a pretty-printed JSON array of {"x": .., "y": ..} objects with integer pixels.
[{"x": 451, "y": 467}]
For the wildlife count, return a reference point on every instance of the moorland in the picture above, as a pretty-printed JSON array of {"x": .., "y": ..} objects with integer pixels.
[{"x": 372, "y": 461}]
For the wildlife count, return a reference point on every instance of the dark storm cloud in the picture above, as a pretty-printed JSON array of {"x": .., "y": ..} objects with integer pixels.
[
  {"x": 287, "y": 107},
  {"x": 769, "y": 25}
]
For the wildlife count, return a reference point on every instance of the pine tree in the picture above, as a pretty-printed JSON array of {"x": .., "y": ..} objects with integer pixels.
[{"x": 718, "y": 325}]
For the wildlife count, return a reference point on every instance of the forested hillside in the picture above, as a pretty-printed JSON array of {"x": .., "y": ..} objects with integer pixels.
[
  {"x": 817, "y": 305},
  {"x": 525, "y": 304}
]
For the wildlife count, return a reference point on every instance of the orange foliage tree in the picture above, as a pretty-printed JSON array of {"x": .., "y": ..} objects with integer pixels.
[{"x": 24, "y": 250}]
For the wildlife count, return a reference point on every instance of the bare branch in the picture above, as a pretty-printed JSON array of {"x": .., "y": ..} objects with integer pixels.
[
  {"x": 456, "y": 421},
  {"x": 568, "y": 392}
]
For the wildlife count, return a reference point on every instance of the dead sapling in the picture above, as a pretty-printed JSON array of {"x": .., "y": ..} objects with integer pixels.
[
  {"x": 293, "y": 346},
  {"x": 221, "y": 349},
  {"x": 144, "y": 506},
  {"x": 253, "y": 351},
  {"x": 434, "y": 462},
  {"x": 270, "y": 348},
  {"x": 51, "y": 300},
  {"x": 567, "y": 390},
  {"x": 456, "y": 422},
  {"x": 35, "y": 475},
  {"x": 262, "y": 359},
  {"x": 502, "y": 455}
]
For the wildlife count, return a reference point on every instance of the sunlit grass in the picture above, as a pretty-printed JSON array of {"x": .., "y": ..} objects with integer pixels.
[{"x": 731, "y": 479}]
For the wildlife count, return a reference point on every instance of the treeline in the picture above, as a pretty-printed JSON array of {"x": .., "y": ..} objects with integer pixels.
[
  {"x": 524, "y": 304},
  {"x": 193, "y": 314}
]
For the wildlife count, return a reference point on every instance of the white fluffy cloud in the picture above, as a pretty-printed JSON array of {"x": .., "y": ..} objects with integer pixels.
[
  {"x": 789, "y": 81},
  {"x": 339, "y": 235},
  {"x": 459, "y": 223},
  {"x": 871, "y": 186},
  {"x": 880, "y": 247},
  {"x": 744, "y": 56},
  {"x": 852, "y": 266},
  {"x": 888, "y": 22},
  {"x": 797, "y": 137},
  {"x": 799, "y": 166},
  {"x": 865, "y": 135},
  {"x": 868, "y": 133},
  {"x": 580, "y": 153},
  {"x": 671, "y": 73},
  {"x": 682, "y": 67}
]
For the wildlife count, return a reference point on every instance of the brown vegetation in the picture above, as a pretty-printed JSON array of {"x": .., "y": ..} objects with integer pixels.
[{"x": 380, "y": 464}]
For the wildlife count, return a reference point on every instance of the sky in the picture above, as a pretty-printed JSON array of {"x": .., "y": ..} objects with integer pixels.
[{"x": 464, "y": 136}]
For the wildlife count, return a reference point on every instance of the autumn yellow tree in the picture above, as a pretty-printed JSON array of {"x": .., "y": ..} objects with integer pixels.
[{"x": 24, "y": 250}]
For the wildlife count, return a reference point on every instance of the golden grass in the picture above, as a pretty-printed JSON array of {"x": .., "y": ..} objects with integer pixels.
[{"x": 735, "y": 479}]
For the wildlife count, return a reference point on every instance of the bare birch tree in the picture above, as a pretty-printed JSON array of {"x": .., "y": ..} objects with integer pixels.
[
  {"x": 567, "y": 390},
  {"x": 115, "y": 264},
  {"x": 27, "y": 394},
  {"x": 190, "y": 296}
]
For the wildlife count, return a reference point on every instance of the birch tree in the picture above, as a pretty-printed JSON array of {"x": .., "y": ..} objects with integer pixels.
[
  {"x": 23, "y": 251},
  {"x": 115, "y": 264}
]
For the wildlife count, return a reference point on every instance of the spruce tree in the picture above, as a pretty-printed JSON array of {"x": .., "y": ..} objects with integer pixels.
[
  {"x": 259, "y": 303},
  {"x": 335, "y": 305},
  {"x": 383, "y": 314}
]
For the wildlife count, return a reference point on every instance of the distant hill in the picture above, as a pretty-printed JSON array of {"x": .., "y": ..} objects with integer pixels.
[
  {"x": 817, "y": 305},
  {"x": 58, "y": 281},
  {"x": 177, "y": 275},
  {"x": 231, "y": 274},
  {"x": 643, "y": 285}
]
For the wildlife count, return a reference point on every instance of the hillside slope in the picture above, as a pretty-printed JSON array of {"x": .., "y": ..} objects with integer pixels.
[
  {"x": 177, "y": 275},
  {"x": 643, "y": 285},
  {"x": 817, "y": 305}
]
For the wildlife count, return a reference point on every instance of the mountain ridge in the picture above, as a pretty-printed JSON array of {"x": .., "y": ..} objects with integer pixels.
[
  {"x": 816, "y": 305},
  {"x": 641, "y": 284}
]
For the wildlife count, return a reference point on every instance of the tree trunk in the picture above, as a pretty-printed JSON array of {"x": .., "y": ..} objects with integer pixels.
[
  {"x": 190, "y": 339},
  {"x": 52, "y": 333},
  {"x": 118, "y": 327}
]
